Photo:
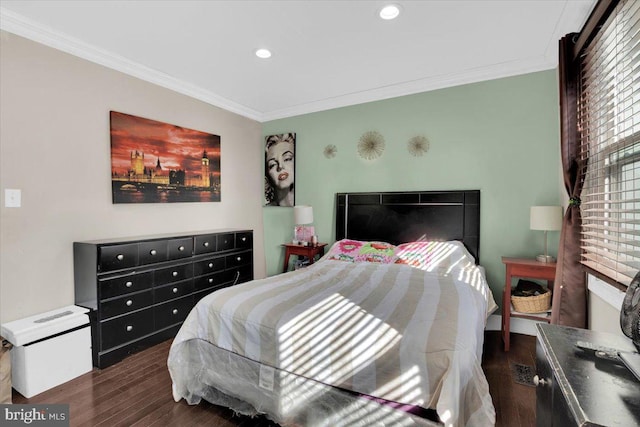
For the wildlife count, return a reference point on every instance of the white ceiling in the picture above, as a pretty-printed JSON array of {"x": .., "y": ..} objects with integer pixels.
[{"x": 326, "y": 54}]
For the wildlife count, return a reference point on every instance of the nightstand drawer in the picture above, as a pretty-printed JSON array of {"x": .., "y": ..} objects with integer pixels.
[
  {"x": 123, "y": 285},
  {"x": 126, "y": 328},
  {"x": 534, "y": 271},
  {"x": 117, "y": 257},
  {"x": 126, "y": 304},
  {"x": 172, "y": 312}
]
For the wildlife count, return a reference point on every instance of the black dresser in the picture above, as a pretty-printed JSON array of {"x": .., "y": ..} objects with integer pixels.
[
  {"x": 576, "y": 388},
  {"x": 140, "y": 290}
]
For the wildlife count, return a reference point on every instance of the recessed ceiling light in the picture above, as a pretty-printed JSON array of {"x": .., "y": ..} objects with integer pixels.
[
  {"x": 389, "y": 12},
  {"x": 263, "y": 53}
]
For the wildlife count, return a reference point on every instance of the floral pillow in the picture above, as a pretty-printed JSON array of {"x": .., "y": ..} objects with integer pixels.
[{"x": 358, "y": 251}]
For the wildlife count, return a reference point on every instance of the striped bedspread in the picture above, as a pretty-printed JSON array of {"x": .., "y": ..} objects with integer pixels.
[{"x": 391, "y": 331}]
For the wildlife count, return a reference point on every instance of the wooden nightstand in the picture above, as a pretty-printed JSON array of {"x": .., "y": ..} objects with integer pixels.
[
  {"x": 525, "y": 268},
  {"x": 310, "y": 252}
]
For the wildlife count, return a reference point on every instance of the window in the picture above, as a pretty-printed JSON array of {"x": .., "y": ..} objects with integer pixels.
[{"x": 609, "y": 132}]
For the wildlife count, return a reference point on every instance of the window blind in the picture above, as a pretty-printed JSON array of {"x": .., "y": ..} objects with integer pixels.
[{"x": 609, "y": 132}]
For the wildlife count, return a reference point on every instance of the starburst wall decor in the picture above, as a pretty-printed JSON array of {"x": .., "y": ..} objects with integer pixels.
[
  {"x": 330, "y": 151},
  {"x": 371, "y": 145},
  {"x": 418, "y": 145}
]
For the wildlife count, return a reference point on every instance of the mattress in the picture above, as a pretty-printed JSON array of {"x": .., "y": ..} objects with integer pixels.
[{"x": 305, "y": 347}]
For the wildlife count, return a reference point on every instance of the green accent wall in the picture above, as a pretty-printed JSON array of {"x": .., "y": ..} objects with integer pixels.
[{"x": 499, "y": 136}]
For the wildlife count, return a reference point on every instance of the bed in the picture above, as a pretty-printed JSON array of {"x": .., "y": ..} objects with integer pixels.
[{"x": 386, "y": 329}]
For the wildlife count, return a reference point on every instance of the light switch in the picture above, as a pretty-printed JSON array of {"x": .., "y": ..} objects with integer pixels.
[{"x": 12, "y": 198}]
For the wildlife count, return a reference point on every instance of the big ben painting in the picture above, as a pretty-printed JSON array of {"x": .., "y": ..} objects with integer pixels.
[{"x": 156, "y": 162}]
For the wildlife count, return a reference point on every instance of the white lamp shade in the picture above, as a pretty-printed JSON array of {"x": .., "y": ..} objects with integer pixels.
[
  {"x": 546, "y": 218},
  {"x": 303, "y": 214}
]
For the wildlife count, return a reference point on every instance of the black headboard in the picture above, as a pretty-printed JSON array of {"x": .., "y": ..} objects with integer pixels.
[{"x": 400, "y": 217}]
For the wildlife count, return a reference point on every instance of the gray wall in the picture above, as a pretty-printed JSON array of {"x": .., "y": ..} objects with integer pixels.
[{"x": 55, "y": 147}]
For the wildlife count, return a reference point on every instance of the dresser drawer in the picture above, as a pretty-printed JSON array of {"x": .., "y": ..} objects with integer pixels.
[
  {"x": 237, "y": 275},
  {"x": 209, "y": 280},
  {"x": 205, "y": 243},
  {"x": 152, "y": 252},
  {"x": 126, "y": 328},
  {"x": 172, "y": 312},
  {"x": 122, "y": 285},
  {"x": 208, "y": 266},
  {"x": 245, "y": 273},
  {"x": 239, "y": 259},
  {"x": 180, "y": 248},
  {"x": 225, "y": 242},
  {"x": 126, "y": 304},
  {"x": 173, "y": 274},
  {"x": 244, "y": 240},
  {"x": 175, "y": 290},
  {"x": 117, "y": 257}
]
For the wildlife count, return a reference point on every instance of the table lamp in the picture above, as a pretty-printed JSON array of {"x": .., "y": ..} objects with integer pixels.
[
  {"x": 303, "y": 215},
  {"x": 546, "y": 218}
]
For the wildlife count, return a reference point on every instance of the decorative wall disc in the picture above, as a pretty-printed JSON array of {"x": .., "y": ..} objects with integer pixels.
[
  {"x": 371, "y": 145},
  {"x": 418, "y": 145},
  {"x": 330, "y": 151}
]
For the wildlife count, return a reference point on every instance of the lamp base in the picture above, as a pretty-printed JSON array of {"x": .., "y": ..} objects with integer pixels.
[{"x": 545, "y": 258}]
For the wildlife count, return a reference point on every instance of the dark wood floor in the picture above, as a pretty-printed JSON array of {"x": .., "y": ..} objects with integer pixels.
[{"x": 137, "y": 392}]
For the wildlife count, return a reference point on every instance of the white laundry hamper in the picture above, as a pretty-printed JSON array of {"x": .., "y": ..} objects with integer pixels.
[{"x": 48, "y": 349}]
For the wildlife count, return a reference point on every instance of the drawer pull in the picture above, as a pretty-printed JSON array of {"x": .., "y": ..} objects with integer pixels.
[
  {"x": 244, "y": 239},
  {"x": 129, "y": 328},
  {"x": 239, "y": 259},
  {"x": 128, "y": 284},
  {"x": 120, "y": 257},
  {"x": 181, "y": 248},
  {"x": 175, "y": 311},
  {"x": 211, "y": 280},
  {"x": 174, "y": 274},
  {"x": 226, "y": 242},
  {"x": 153, "y": 252},
  {"x": 175, "y": 290},
  {"x": 210, "y": 265},
  {"x": 129, "y": 303},
  {"x": 205, "y": 244},
  {"x": 539, "y": 381}
]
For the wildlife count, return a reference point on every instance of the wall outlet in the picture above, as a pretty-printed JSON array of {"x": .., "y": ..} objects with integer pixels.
[{"x": 12, "y": 198}]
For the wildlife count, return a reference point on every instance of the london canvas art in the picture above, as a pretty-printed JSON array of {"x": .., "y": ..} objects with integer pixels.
[{"x": 155, "y": 162}]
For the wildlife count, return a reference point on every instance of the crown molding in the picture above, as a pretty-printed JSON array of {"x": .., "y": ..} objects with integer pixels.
[
  {"x": 24, "y": 27},
  {"x": 418, "y": 86}
]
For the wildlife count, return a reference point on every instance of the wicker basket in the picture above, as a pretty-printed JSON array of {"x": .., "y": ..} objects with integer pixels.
[{"x": 533, "y": 304}]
